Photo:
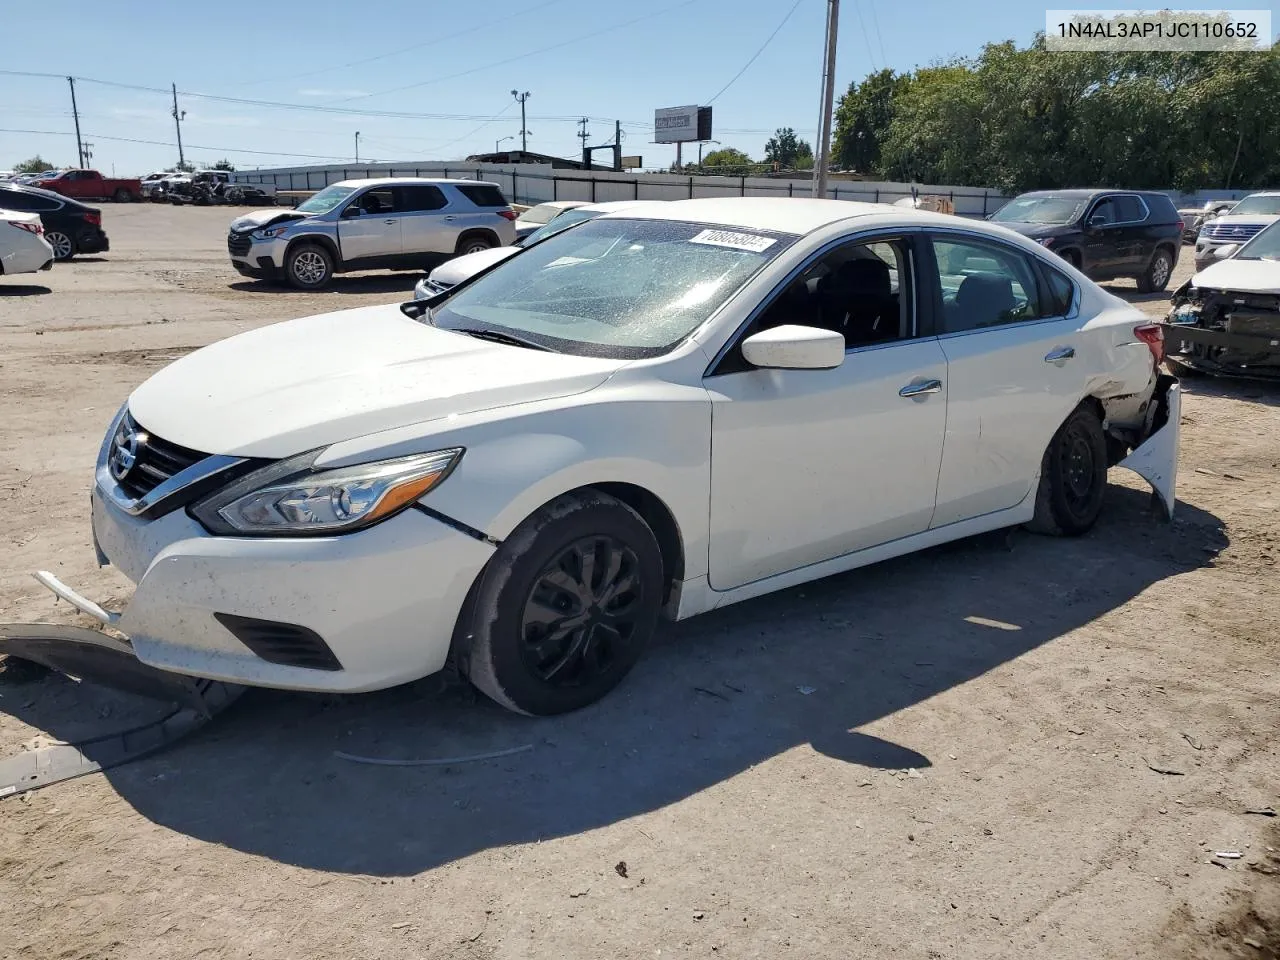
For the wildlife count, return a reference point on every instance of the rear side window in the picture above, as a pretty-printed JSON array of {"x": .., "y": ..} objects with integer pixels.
[
  {"x": 1059, "y": 292},
  {"x": 483, "y": 195},
  {"x": 984, "y": 285},
  {"x": 29, "y": 202},
  {"x": 1131, "y": 209},
  {"x": 421, "y": 198},
  {"x": 1162, "y": 208}
]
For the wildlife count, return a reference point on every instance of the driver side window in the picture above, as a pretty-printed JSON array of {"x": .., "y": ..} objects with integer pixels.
[
  {"x": 377, "y": 202},
  {"x": 983, "y": 285}
]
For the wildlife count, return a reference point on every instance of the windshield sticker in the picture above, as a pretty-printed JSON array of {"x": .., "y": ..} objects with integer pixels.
[{"x": 751, "y": 242}]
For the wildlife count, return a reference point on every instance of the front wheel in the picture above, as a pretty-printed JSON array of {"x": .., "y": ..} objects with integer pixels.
[
  {"x": 473, "y": 244},
  {"x": 1073, "y": 477},
  {"x": 1156, "y": 277},
  {"x": 566, "y": 606},
  {"x": 309, "y": 266},
  {"x": 63, "y": 247}
]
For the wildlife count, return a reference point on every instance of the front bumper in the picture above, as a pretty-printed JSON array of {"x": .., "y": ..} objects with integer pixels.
[
  {"x": 262, "y": 259},
  {"x": 384, "y": 600}
]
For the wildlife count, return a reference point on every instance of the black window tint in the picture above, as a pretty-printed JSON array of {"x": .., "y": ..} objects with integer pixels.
[
  {"x": 421, "y": 198},
  {"x": 29, "y": 202},
  {"x": 1162, "y": 208},
  {"x": 1105, "y": 212},
  {"x": 1059, "y": 290},
  {"x": 376, "y": 202},
  {"x": 1131, "y": 209},
  {"x": 483, "y": 195},
  {"x": 983, "y": 285}
]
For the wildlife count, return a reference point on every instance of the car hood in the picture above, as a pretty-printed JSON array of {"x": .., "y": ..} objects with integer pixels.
[
  {"x": 1243, "y": 276},
  {"x": 1245, "y": 219},
  {"x": 454, "y": 271},
  {"x": 260, "y": 218},
  {"x": 302, "y": 384}
]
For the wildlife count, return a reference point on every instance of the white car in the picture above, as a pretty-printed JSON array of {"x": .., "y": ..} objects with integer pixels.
[
  {"x": 652, "y": 415},
  {"x": 1226, "y": 319},
  {"x": 23, "y": 248},
  {"x": 543, "y": 213},
  {"x": 452, "y": 272},
  {"x": 1222, "y": 236}
]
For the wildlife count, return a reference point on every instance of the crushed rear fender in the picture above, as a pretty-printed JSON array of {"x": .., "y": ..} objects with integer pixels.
[{"x": 1156, "y": 458}]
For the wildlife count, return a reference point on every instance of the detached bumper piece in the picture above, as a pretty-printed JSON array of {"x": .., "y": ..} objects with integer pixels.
[{"x": 96, "y": 657}]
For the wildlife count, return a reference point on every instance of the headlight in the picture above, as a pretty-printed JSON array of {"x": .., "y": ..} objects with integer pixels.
[
  {"x": 270, "y": 233},
  {"x": 291, "y": 499}
]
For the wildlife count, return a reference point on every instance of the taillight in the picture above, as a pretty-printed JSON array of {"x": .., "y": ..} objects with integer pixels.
[
  {"x": 1152, "y": 334},
  {"x": 35, "y": 228},
  {"x": 94, "y": 218},
  {"x": 507, "y": 214},
  {"x": 1180, "y": 226}
]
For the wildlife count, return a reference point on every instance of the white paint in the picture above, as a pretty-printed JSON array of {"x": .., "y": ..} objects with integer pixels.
[
  {"x": 1244, "y": 276},
  {"x": 22, "y": 251}
]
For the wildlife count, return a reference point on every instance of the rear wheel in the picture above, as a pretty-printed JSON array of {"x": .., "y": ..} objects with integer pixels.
[
  {"x": 1157, "y": 274},
  {"x": 474, "y": 244},
  {"x": 1072, "y": 258},
  {"x": 63, "y": 247},
  {"x": 309, "y": 266},
  {"x": 1073, "y": 477},
  {"x": 566, "y": 606},
  {"x": 122, "y": 196}
]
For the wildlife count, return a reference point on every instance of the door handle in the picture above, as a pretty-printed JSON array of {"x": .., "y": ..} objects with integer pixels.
[
  {"x": 920, "y": 389},
  {"x": 390, "y": 221},
  {"x": 449, "y": 217},
  {"x": 1059, "y": 354}
]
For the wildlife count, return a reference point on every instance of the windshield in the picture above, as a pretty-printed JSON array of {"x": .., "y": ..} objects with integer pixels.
[
  {"x": 325, "y": 200},
  {"x": 542, "y": 213},
  {"x": 1039, "y": 210},
  {"x": 562, "y": 222},
  {"x": 612, "y": 287},
  {"x": 1264, "y": 206},
  {"x": 1264, "y": 246}
]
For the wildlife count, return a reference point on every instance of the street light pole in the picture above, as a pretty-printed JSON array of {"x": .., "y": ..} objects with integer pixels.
[
  {"x": 524, "y": 131},
  {"x": 700, "y": 143},
  {"x": 497, "y": 144},
  {"x": 823, "y": 157},
  {"x": 357, "y": 146}
]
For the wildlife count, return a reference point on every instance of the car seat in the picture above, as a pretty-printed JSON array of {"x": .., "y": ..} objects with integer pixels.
[
  {"x": 857, "y": 301},
  {"x": 983, "y": 300}
]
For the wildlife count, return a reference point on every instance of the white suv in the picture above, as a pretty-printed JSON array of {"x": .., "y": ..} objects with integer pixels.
[
  {"x": 1222, "y": 236},
  {"x": 383, "y": 224}
]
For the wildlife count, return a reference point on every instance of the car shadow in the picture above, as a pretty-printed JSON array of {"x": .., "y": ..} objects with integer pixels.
[
  {"x": 23, "y": 290},
  {"x": 802, "y": 669},
  {"x": 1197, "y": 384},
  {"x": 395, "y": 283},
  {"x": 81, "y": 258}
]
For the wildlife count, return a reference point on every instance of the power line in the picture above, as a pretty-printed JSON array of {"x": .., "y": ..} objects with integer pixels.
[
  {"x": 528, "y": 53},
  {"x": 875, "y": 22},
  {"x": 865, "y": 39},
  {"x": 768, "y": 41}
]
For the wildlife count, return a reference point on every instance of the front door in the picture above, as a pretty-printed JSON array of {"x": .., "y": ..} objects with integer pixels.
[
  {"x": 373, "y": 233},
  {"x": 808, "y": 465},
  {"x": 1107, "y": 252},
  {"x": 1012, "y": 374}
]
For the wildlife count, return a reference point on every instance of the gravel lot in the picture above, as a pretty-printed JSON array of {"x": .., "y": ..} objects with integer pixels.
[{"x": 969, "y": 776}]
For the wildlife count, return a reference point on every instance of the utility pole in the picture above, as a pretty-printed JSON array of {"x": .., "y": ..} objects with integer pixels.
[
  {"x": 178, "y": 117},
  {"x": 357, "y": 146},
  {"x": 617, "y": 146},
  {"x": 87, "y": 155},
  {"x": 76, "y": 113},
  {"x": 524, "y": 131},
  {"x": 823, "y": 157},
  {"x": 583, "y": 134}
]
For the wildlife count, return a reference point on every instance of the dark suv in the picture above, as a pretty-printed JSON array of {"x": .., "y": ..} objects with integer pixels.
[
  {"x": 69, "y": 226},
  {"x": 1104, "y": 233}
]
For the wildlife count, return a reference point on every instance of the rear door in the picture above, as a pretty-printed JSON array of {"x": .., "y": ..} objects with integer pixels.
[
  {"x": 428, "y": 226},
  {"x": 369, "y": 227},
  {"x": 1012, "y": 373},
  {"x": 1137, "y": 238}
]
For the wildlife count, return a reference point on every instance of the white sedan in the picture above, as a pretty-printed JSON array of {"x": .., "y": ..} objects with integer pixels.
[
  {"x": 23, "y": 248},
  {"x": 654, "y": 414}
]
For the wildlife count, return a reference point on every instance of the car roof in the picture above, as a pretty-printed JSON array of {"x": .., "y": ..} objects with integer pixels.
[
  {"x": 1085, "y": 192},
  {"x": 563, "y": 204},
  {"x": 782, "y": 214},
  {"x": 411, "y": 182},
  {"x": 41, "y": 192},
  {"x": 1260, "y": 193}
]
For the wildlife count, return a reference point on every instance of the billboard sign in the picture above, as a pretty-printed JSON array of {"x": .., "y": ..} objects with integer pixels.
[{"x": 681, "y": 124}]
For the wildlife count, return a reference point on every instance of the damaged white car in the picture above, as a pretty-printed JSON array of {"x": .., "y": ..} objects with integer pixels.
[
  {"x": 1225, "y": 320},
  {"x": 654, "y": 414}
]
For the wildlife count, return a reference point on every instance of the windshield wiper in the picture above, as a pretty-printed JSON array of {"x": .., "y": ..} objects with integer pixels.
[{"x": 496, "y": 336}]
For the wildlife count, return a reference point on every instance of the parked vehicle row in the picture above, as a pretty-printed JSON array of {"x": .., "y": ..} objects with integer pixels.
[
  {"x": 90, "y": 185},
  {"x": 70, "y": 227},
  {"x": 387, "y": 223},
  {"x": 1222, "y": 236}
]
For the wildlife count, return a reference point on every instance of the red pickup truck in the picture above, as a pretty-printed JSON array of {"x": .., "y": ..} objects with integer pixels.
[{"x": 91, "y": 185}]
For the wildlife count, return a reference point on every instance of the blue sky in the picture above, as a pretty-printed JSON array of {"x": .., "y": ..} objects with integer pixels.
[{"x": 610, "y": 61}]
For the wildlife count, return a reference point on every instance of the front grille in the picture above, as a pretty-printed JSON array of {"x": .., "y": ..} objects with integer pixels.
[
  {"x": 238, "y": 244},
  {"x": 155, "y": 460},
  {"x": 1234, "y": 232},
  {"x": 284, "y": 643}
]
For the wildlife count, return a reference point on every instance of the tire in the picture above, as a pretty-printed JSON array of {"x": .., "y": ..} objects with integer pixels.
[
  {"x": 235, "y": 195},
  {"x": 565, "y": 607},
  {"x": 64, "y": 247},
  {"x": 1073, "y": 477},
  {"x": 308, "y": 266},
  {"x": 121, "y": 196},
  {"x": 474, "y": 244},
  {"x": 1159, "y": 270},
  {"x": 1072, "y": 258}
]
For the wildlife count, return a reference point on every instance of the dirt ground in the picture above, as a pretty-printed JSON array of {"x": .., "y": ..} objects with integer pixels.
[{"x": 944, "y": 756}]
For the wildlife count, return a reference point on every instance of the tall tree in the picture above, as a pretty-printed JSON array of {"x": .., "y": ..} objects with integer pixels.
[
  {"x": 787, "y": 150},
  {"x": 36, "y": 164},
  {"x": 862, "y": 120}
]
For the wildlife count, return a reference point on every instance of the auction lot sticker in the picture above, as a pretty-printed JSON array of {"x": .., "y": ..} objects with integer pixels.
[
  {"x": 752, "y": 242},
  {"x": 1091, "y": 31}
]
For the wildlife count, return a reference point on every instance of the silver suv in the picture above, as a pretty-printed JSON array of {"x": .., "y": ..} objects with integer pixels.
[{"x": 391, "y": 223}]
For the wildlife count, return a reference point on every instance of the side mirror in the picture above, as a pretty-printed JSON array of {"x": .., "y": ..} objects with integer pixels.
[
  {"x": 351, "y": 211},
  {"x": 1226, "y": 250},
  {"x": 1097, "y": 221},
  {"x": 794, "y": 347}
]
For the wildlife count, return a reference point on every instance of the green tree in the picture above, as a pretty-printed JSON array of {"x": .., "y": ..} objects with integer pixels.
[
  {"x": 726, "y": 157},
  {"x": 36, "y": 164},
  {"x": 224, "y": 164},
  {"x": 862, "y": 120},
  {"x": 787, "y": 150}
]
